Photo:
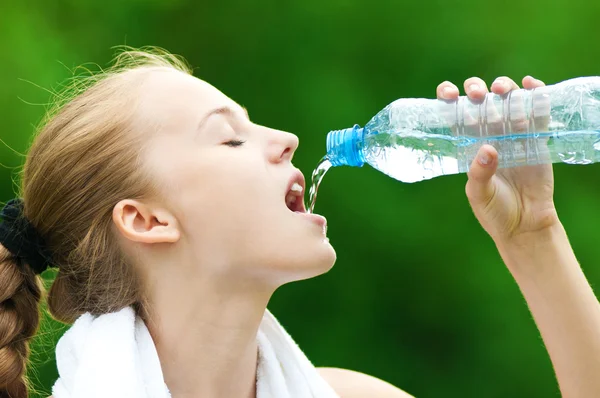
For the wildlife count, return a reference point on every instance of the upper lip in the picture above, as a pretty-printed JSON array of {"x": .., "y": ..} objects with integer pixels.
[{"x": 297, "y": 177}]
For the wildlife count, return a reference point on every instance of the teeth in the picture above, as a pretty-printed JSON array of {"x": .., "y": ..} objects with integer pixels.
[
  {"x": 296, "y": 187},
  {"x": 294, "y": 193}
]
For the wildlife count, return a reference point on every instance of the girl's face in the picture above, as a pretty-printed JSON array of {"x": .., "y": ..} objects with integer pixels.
[{"x": 228, "y": 183}]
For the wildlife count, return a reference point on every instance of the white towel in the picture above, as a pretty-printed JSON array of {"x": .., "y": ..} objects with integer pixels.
[{"x": 113, "y": 355}]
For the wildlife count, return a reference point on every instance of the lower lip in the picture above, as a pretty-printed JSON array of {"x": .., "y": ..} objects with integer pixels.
[{"x": 317, "y": 219}]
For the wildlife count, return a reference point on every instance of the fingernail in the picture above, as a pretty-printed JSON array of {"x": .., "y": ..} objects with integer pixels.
[
  {"x": 474, "y": 87},
  {"x": 447, "y": 92},
  {"x": 484, "y": 159},
  {"x": 500, "y": 82}
]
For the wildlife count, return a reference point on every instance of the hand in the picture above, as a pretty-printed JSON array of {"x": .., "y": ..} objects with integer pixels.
[{"x": 511, "y": 204}]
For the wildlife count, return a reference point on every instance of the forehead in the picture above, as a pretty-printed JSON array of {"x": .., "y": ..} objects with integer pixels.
[{"x": 170, "y": 97}]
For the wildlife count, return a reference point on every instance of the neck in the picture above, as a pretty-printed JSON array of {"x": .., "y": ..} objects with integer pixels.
[{"x": 206, "y": 336}]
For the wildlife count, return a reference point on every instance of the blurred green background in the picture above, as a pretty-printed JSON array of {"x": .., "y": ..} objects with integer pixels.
[{"x": 419, "y": 296}]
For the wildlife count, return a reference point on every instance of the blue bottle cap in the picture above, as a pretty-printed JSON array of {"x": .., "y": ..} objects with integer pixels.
[{"x": 344, "y": 147}]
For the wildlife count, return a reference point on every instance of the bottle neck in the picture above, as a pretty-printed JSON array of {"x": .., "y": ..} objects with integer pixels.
[{"x": 344, "y": 147}]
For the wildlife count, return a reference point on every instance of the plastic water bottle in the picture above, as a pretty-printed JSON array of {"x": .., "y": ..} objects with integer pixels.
[{"x": 417, "y": 139}]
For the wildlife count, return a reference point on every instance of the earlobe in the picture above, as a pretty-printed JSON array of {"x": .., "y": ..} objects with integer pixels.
[{"x": 142, "y": 223}]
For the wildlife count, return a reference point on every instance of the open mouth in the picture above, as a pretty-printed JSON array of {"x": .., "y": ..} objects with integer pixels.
[{"x": 294, "y": 198}]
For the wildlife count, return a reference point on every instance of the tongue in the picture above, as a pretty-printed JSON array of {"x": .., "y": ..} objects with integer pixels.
[{"x": 290, "y": 202}]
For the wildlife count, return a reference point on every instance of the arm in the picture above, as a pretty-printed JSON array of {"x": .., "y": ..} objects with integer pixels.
[
  {"x": 350, "y": 384},
  {"x": 563, "y": 305},
  {"x": 516, "y": 208}
]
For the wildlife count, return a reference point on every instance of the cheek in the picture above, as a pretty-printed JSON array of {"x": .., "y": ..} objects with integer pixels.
[
  {"x": 225, "y": 194},
  {"x": 229, "y": 202}
]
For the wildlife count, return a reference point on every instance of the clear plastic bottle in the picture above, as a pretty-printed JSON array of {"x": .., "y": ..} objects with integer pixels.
[{"x": 417, "y": 139}]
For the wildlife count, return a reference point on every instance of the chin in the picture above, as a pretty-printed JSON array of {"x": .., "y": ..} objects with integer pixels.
[
  {"x": 329, "y": 256},
  {"x": 314, "y": 262}
]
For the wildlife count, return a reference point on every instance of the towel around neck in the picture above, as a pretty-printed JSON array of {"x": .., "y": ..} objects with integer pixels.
[{"x": 113, "y": 355}]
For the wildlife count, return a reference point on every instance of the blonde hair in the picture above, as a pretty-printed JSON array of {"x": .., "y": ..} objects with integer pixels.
[{"x": 84, "y": 160}]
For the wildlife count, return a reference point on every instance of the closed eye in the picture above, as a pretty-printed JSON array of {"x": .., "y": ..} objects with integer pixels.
[{"x": 234, "y": 143}]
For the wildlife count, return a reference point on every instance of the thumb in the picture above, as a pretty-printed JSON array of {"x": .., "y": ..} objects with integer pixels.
[{"x": 480, "y": 187}]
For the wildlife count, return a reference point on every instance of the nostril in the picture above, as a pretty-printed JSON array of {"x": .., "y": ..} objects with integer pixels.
[{"x": 287, "y": 152}]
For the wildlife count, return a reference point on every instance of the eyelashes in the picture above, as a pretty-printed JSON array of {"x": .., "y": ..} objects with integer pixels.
[{"x": 234, "y": 143}]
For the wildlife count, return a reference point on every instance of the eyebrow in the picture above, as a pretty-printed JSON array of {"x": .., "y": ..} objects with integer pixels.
[{"x": 223, "y": 110}]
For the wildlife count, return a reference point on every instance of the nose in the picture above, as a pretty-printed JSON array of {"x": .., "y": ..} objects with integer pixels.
[{"x": 282, "y": 146}]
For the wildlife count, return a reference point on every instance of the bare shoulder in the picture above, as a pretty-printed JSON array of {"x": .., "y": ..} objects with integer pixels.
[{"x": 351, "y": 384}]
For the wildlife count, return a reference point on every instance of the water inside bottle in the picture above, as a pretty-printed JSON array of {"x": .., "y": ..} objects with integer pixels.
[
  {"x": 317, "y": 176},
  {"x": 416, "y": 157}
]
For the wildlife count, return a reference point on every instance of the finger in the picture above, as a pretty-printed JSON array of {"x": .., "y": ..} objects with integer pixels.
[
  {"x": 516, "y": 116},
  {"x": 447, "y": 91},
  {"x": 475, "y": 88},
  {"x": 541, "y": 103},
  {"x": 540, "y": 112},
  {"x": 529, "y": 82},
  {"x": 480, "y": 187},
  {"x": 503, "y": 85}
]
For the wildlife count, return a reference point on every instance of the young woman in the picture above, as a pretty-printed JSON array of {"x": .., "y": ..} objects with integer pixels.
[{"x": 172, "y": 219}]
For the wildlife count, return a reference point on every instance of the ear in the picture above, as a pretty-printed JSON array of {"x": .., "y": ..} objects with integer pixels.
[{"x": 143, "y": 223}]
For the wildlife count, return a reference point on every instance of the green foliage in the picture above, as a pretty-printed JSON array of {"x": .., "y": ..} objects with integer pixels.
[{"x": 419, "y": 296}]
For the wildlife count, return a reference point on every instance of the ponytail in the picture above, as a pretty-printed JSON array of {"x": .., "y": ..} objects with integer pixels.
[{"x": 20, "y": 293}]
